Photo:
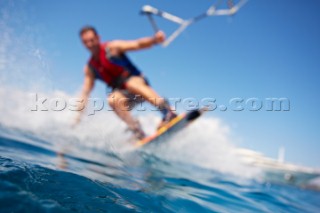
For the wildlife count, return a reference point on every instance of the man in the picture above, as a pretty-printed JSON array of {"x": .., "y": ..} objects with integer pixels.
[{"x": 109, "y": 63}]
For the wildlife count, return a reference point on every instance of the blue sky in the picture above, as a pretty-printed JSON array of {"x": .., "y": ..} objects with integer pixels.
[{"x": 269, "y": 49}]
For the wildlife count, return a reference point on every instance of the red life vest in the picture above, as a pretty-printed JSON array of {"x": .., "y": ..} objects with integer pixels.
[{"x": 104, "y": 69}]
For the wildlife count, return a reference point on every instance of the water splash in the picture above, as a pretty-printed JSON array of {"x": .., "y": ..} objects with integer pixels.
[
  {"x": 22, "y": 59},
  {"x": 25, "y": 71}
]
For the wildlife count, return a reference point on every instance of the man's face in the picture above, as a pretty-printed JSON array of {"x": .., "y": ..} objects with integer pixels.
[{"x": 91, "y": 41}]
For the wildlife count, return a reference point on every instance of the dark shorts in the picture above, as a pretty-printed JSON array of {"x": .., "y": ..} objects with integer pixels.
[{"x": 120, "y": 82}]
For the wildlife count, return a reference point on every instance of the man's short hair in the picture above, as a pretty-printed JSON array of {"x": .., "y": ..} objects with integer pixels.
[{"x": 88, "y": 28}]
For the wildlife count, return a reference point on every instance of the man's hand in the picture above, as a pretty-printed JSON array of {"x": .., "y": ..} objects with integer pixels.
[
  {"x": 159, "y": 37},
  {"x": 76, "y": 120}
]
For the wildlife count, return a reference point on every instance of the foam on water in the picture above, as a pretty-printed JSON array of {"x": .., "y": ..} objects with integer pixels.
[{"x": 205, "y": 143}]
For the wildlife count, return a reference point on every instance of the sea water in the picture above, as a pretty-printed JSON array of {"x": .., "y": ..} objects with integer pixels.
[{"x": 40, "y": 172}]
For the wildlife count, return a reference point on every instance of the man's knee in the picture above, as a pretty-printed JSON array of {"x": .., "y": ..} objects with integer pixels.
[
  {"x": 119, "y": 102},
  {"x": 113, "y": 99}
]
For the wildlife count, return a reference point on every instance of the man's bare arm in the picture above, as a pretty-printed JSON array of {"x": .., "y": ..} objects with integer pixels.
[
  {"x": 117, "y": 47},
  {"x": 87, "y": 87}
]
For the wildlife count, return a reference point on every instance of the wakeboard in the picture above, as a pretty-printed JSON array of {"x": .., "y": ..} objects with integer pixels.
[{"x": 175, "y": 125}]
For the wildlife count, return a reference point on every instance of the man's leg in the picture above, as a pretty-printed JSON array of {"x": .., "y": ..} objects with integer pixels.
[
  {"x": 137, "y": 85},
  {"x": 121, "y": 106}
]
